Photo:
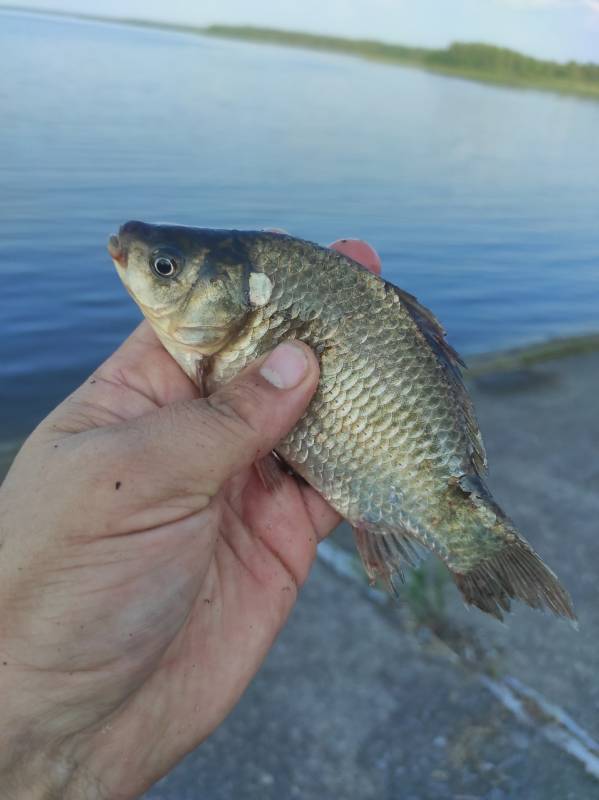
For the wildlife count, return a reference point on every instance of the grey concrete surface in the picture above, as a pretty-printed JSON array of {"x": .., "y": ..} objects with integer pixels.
[
  {"x": 354, "y": 703},
  {"x": 350, "y": 705},
  {"x": 542, "y": 437}
]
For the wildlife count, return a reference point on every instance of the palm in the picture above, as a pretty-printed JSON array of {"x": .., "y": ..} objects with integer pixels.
[{"x": 197, "y": 647}]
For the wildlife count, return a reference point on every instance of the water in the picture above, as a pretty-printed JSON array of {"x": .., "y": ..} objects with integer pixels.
[{"x": 482, "y": 201}]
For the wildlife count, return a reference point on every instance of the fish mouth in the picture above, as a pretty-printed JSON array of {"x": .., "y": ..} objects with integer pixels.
[
  {"x": 201, "y": 335},
  {"x": 216, "y": 328},
  {"x": 196, "y": 339},
  {"x": 152, "y": 312},
  {"x": 117, "y": 252}
]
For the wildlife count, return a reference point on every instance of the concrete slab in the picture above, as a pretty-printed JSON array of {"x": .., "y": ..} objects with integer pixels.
[
  {"x": 543, "y": 444},
  {"x": 351, "y": 705}
]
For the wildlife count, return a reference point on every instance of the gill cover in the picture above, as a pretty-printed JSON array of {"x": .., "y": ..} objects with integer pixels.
[{"x": 206, "y": 296}]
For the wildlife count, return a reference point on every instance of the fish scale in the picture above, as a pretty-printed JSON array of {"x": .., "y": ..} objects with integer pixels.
[
  {"x": 409, "y": 452},
  {"x": 390, "y": 438}
]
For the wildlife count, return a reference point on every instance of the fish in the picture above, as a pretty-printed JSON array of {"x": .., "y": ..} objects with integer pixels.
[{"x": 390, "y": 438}]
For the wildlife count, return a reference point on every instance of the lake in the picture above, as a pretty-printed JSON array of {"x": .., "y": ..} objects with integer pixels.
[{"x": 483, "y": 201}]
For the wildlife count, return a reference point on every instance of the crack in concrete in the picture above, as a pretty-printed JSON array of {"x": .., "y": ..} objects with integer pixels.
[{"x": 527, "y": 705}]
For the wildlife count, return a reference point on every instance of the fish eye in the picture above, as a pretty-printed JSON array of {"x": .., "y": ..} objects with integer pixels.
[{"x": 164, "y": 266}]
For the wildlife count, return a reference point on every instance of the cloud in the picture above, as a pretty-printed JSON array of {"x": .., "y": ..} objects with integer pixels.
[
  {"x": 550, "y": 3},
  {"x": 589, "y": 5}
]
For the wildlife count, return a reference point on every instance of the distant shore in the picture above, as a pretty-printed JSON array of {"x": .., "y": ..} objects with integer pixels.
[
  {"x": 533, "y": 354},
  {"x": 471, "y": 61}
]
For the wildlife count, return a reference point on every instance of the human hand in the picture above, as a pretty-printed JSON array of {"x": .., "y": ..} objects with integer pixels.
[{"x": 144, "y": 569}]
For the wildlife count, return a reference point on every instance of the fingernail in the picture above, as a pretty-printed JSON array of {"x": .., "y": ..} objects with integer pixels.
[{"x": 286, "y": 366}]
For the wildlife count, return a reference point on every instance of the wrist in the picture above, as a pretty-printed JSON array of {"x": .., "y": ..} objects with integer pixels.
[{"x": 50, "y": 775}]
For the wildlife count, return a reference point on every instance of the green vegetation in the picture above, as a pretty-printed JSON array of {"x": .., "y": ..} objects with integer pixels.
[
  {"x": 482, "y": 62},
  {"x": 529, "y": 355},
  {"x": 424, "y": 593}
]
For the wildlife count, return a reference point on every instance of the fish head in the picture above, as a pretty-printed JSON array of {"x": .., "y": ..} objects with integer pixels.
[{"x": 196, "y": 286}]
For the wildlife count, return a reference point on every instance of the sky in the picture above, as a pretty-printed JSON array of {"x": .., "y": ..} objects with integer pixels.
[{"x": 555, "y": 29}]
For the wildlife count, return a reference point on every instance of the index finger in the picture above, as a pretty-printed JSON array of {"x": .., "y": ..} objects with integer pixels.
[{"x": 359, "y": 251}]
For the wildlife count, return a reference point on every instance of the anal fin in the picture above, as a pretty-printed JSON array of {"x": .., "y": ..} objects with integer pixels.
[
  {"x": 202, "y": 369},
  {"x": 271, "y": 471},
  {"x": 384, "y": 552}
]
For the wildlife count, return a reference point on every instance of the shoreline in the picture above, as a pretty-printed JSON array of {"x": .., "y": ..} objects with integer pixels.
[
  {"x": 478, "y": 62},
  {"x": 529, "y": 355}
]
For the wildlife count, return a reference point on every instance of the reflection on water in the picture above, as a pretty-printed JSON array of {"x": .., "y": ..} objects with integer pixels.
[{"x": 482, "y": 201}]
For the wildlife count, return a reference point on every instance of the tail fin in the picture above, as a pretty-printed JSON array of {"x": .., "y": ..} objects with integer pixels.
[
  {"x": 513, "y": 571},
  {"x": 516, "y": 571}
]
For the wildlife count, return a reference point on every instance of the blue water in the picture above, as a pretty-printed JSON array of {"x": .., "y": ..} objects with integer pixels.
[{"x": 482, "y": 201}]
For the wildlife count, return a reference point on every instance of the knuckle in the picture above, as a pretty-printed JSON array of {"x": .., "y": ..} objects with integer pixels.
[{"x": 239, "y": 407}]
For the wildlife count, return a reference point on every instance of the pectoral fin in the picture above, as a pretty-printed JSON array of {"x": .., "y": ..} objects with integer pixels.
[
  {"x": 202, "y": 370},
  {"x": 271, "y": 472}
]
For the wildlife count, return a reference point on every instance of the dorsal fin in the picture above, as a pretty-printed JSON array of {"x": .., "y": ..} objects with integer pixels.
[{"x": 451, "y": 363}]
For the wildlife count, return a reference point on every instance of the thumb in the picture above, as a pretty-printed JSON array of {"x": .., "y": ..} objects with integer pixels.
[{"x": 197, "y": 445}]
